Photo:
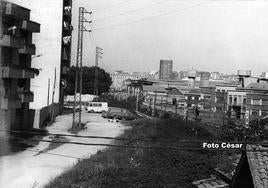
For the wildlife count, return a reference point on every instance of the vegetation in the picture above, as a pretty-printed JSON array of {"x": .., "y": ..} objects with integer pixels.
[
  {"x": 104, "y": 80},
  {"x": 255, "y": 131},
  {"x": 128, "y": 167},
  {"x": 129, "y": 103}
]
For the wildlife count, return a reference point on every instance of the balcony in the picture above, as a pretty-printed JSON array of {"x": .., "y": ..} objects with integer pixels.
[
  {"x": 26, "y": 96},
  {"x": 9, "y": 103},
  {"x": 67, "y": 13},
  {"x": 30, "y": 26},
  {"x": 11, "y": 72},
  {"x": 11, "y": 41},
  {"x": 17, "y": 72},
  {"x": 67, "y": 2},
  {"x": 28, "y": 73},
  {"x": 13, "y": 10},
  {"x": 64, "y": 70},
  {"x": 28, "y": 49}
]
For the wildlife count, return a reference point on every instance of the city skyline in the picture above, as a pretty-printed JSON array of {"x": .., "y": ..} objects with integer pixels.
[{"x": 220, "y": 36}]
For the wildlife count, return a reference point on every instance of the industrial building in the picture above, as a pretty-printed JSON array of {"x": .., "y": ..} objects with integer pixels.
[
  {"x": 16, "y": 50},
  {"x": 165, "y": 70}
]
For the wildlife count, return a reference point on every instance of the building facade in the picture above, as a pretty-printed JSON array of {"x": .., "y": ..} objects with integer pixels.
[
  {"x": 67, "y": 29},
  {"x": 119, "y": 78},
  {"x": 52, "y": 55},
  {"x": 165, "y": 70},
  {"x": 16, "y": 50}
]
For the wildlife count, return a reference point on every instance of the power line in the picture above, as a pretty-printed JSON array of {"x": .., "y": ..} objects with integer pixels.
[
  {"x": 130, "y": 11},
  {"x": 153, "y": 17},
  {"x": 127, "y": 139},
  {"x": 38, "y": 151},
  {"x": 114, "y": 5},
  {"x": 143, "y": 147}
]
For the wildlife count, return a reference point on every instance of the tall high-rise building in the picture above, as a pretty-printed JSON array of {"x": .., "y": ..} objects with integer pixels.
[
  {"x": 165, "y": 71},
  {"x": 16, "y": 50}
]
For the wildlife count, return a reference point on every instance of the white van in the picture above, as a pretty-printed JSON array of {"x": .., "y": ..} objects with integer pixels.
[{"x": 97, "y": 106}]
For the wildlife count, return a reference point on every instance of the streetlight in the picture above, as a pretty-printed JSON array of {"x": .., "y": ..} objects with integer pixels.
[{"x": 38, "y": 55}]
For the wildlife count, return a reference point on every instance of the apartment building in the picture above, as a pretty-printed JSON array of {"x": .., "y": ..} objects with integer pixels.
[
  {"x": 16, "y": 50},
  {"x": 52, "y": 58},
  {"x": 67, "y": 29}
]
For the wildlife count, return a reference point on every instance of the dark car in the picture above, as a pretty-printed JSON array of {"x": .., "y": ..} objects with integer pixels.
[{"x": 118, "y": 113}]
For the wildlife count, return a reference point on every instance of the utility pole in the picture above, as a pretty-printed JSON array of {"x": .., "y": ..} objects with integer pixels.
[
  {"x": 53, "y": 94},
  {"x": 153, "y": 113},
  {"x": 96, "y": 80},
  {"x": 48, "y": 91},
  {"x": 161, "y": 102},
  {"x": 79, "y": 64},
  {"x": 137, "y": 102}
]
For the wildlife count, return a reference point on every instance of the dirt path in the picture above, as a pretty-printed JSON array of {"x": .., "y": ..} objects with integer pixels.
[{"x": 38, "y": 165}]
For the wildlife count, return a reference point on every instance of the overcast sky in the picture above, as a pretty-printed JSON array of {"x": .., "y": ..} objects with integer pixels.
[{"x": 219, "y": 35}]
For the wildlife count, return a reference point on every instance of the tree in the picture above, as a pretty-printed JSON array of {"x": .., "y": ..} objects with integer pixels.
[{"x": 88, "y": 75}]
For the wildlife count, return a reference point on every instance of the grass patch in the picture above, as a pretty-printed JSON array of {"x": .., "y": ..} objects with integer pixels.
[{"x": 126, "y": 167}]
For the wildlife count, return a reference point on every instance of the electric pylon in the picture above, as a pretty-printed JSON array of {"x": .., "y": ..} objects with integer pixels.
[{"x": 77, "y": 106}]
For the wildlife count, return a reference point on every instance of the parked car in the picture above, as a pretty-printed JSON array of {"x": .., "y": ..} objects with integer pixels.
[{"x": 118, "y": 113}]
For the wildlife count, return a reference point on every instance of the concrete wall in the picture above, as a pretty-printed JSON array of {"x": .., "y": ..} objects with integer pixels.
[
  {"x": 48, "y": 43},
  {"x": 44, "y": 115}
]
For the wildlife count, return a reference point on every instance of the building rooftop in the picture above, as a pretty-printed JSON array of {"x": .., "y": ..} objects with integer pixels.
[
  {"x": 258, "y": 86},
  {"x": 258, "y": 164}
]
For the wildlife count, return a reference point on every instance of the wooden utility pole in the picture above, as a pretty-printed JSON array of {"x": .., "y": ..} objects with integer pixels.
[
  {"x": 137, "y": 102},
  {"x": 161, "y": 102},
  {"x": 53, "y": 94},
  {"x": 154, "y": 105},
  {"x": 48, "y": 91}
]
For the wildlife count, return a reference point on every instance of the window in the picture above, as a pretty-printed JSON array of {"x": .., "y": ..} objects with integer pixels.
[
  {"x": 244, "y": 100},
  {"x": 235, "y": 99},
  {"x": 230, "y": 99},
  {"x": 255, "y": 112},
  {"x": 207, "y": 97},
  {"x": 255, "y": 102}
]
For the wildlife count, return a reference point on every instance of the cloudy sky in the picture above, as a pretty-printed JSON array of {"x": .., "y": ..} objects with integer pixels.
[{"x": 212, "y": 35}]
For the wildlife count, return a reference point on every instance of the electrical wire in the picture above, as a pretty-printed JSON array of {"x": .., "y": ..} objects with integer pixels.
[
  {"x": 38, "y": 151},
  {"x": 153, "y": 17},
  {"x": 125, "y": 139},
  {"x": 143, "y": 147},
  {"x": 130, "y": 11},
  {"x": 112, "y": 6}
]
